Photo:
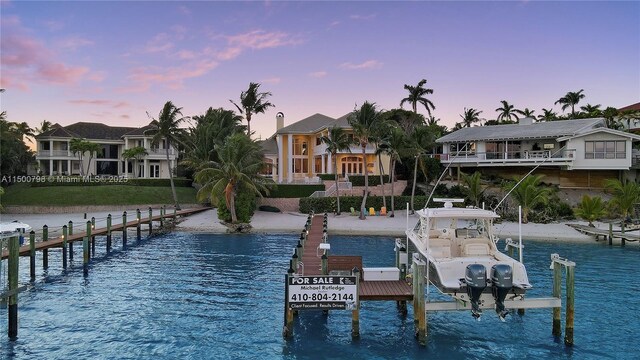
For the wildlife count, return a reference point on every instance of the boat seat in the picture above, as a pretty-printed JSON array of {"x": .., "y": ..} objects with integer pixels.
[
  {"x": 440, "y": 251},
  {"x": 475, "y": 249}
]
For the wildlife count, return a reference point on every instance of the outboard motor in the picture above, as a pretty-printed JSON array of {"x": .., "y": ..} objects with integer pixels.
[
  {"x": 502, "y": 282},
  {"x": 476, "y": 280}
]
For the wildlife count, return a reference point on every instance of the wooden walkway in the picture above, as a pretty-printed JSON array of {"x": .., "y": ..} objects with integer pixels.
[
  {"x": 58, "y": 241},
  {"x": 398, "y": 290},
  {"x": 617, "y": 234}
]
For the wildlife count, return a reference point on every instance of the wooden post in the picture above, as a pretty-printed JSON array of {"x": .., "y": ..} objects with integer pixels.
[
  {"x": 175, "y": 214},
  {"x": 64, "y": 247},
  {"x": 138, "y": 225},
  {"x": 108, "y": 233},
  {"x": 568, "y": 328},
  {"x": 70, "y": 243},
  {"x": 287, "y": 331},
  {"x": 419, "y": 311},
  {"x": 622, "y": 241},
  {"x": 294, "y": 260},
  {"x": 355, "y": 314},
  {"x": 162, "y": 217},
  {"x": 557, "y": 293},
  {"x": 32, "y": 255},
  {"x": 124, "y": 229},
  {"x": 85, "y": 250},
  {"x": 300, "y": 250},
  {"x": 93, "y": 238},
  {"x": 14, "y": 259},
  {"x": 325, "y": 269},
  {"x": 45, "y": 252},
  {"x": 610, "y": 234},
  {"x": 150, "y": 221}
]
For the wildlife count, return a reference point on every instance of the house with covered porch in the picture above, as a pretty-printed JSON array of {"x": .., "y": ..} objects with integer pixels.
[
  {"x": 570, "y": 153},
  {"x": 296, "y": 154}
]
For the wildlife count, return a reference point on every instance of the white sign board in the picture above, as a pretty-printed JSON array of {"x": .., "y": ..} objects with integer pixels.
[{"x": 322, "y": 292}]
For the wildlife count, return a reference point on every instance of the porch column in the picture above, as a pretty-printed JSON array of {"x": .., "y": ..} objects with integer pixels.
[
  {"x": 50, "y": 167},
  {"x": 50, "y": 147},
  {"x": 290, "y": 158},
  {"x": 280, "y": 159},
  {"x": 69, "y": 151},
  {"x": 324, "y": 170},
  {"x": 68, "y": 167},
  {"x": 145, "y": 168},
  {"x": 506, "y": 150}
]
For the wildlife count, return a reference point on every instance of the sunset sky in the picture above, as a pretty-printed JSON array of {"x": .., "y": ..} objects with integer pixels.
[{"x": 112, "y": 62}]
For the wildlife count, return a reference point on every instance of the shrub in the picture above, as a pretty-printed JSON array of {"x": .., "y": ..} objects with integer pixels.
[
  {"x": 268, "y": 208},
  {"x": 294, "y": 190},
  {"x": 245, "y": 207},
  {"x": 328, "y": 204},
  {"x": 327, "y": 176},
  {"x": 374, "y": 180}
]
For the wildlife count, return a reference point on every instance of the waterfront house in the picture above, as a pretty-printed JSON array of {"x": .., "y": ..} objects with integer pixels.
[
  {"x": 295, "y": 153},
  {"x": 571, "y": 153},
  {"x": 54, "y": 156}
]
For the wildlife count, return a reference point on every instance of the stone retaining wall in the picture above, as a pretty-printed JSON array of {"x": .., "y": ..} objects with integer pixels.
[{"x": 284, "y": 204}]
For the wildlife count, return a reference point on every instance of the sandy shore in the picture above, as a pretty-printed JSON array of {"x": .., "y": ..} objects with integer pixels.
[{"x": 266, "y": 222}]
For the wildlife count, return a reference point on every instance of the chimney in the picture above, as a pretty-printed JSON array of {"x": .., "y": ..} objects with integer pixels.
[
  {"x": 279, "y": 120},
  {"x": 526, "y": 121}
]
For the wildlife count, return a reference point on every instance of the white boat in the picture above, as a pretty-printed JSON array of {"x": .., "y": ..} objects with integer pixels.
[
  {"x": 463, "y": 261},
  {"x": 13, "y": 228}
]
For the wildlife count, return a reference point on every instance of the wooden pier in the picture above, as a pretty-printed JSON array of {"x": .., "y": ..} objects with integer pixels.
[{"x": 623, "y": 234}]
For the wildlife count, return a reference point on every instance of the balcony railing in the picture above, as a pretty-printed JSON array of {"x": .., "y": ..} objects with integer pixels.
[
  {"x": 161, "y": 152},
  {"x": 515, "y": 157},
  {"x": 54, "y": 153}
]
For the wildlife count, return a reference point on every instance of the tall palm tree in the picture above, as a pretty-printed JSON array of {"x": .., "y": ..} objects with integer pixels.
[
  {"x": 571, "y": 99},
  {"x": 417, "y": 95},
  {"x": 24, "y": 130},
  {"x": 506, "y": 112},
  {"x": 395, "y": 145},
  {"x": 45, "y": 125},
  {"x": 592, "y": 110},
  {"x": 527, "y": 113},
  {"x": 167, "y": 127},
  {"x": 135, "y": 153},
  {"x": 610, "y": 115},
  {"x": 253, "y": 102},
  {"x": 237, "y": 169},
  {"x": 547, "y": 115},
  {"x": 336, "y": 141},
  {"x": 529, "y": 193},
  {"x": 79, "y": 147},
  {"x": 470, "y": 116},
  {"x": 474, "y": 187},
  {"x": 364, "y": 122},
  {"x": 421, "y": 143},
  {"x": 625, "y": 195}
]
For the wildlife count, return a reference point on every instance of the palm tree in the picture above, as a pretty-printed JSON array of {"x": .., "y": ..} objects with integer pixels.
[
  {"x": 24, "y": 130},
  {"x": 571, "y": 99},
  {"x": 237, "y": 169},
  {"x": 547, "y": 115},
  {"x": 529, "y": 193},
  {"x": 591, "y": 209},
  {"x": 336, "y": 141},
  {"x": 135, "y": 153},
  {"x": 625, "y": 195},
  {"x": 506, "y": 112},
  {"x": 395, "y": 145},
  {"x": 364, "y": 122},
  {"x": 45, "y": 125},
  {"x": 79, "y": 147},
  {"x": 474, "y": 188},
  {"x": 629, "y": 116},
  {"x": 252, "y": 102},
  {"x": 526, "y": 113},
  {"x": 470, "y": 116},
  {"x": 417, "y": 95},
  {"x": 610, "y": 114},
  {"x": 421, "y": 143},
  {"x": 592, "y": 110},
  {"x": 166, "y": 127}
]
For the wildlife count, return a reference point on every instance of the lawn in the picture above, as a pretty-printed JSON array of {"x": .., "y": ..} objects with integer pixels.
[{"x": 23, "y": 194}]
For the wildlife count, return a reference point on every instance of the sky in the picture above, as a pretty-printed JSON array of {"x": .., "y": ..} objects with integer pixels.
[{"x": 118, "y": 62}]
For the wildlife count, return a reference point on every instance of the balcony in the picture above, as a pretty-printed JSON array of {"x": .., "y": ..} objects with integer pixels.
[
  {"x": 161, "y": 154},
  {"x": 54, "y": 153},
  {"x": 512, "y": 158}
]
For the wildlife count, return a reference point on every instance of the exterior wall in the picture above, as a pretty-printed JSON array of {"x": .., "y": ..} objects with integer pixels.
[
  {"x": 571, "y": 179},
  {"x": 582, "y": 163},
  {"x": 284, "y": 204}
]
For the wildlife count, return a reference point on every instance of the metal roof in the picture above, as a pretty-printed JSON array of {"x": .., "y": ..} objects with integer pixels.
[
  {"x": 308, "y": 125},
  {"x": 540, "y": 130}
]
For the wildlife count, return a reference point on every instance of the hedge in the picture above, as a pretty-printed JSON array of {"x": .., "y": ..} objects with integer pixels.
[
  {"x": 328, "y": 204},
  {"x": 327, "y": 176},
  {"x": 100, "y": 181},
  {"x": 374, "y": 180},
  {"x": 294, "y": 190}
]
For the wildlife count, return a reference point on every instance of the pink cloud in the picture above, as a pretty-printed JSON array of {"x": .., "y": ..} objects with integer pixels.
[
  {"x": 159, "y": 43},
  {"x": 73, "y": 43},
  {"x": 367, "y": 65},
  {"x": 99, "y": 102},
  {"x": 172, "y": 77},
  {"x": 26, "y": 59},
  {"x": 97, "y": 76},
  {"x": 255, "y": 40},
  {"x": 186, "y": 55},
  {"x": 318, "y": 74},
  {"x": 272, "y": 80}
]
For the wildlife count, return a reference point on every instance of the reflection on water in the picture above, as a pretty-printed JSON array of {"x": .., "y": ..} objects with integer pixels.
[{"x": 220, "y": 297}]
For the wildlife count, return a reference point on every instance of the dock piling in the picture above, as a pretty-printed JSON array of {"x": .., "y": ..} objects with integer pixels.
[
  {"x": 355, "y": 314},
  {"x": 568, "y": 331},
  {"x": 93, "y": 238},
  {"x": 124, "y": 229},
  {"x": 32, "y": 255},
  {"x": 150, "y": 220},
  {"x": 14, "y": 254},
  {"x": 45, "y": 252},
  {"x": 418, "y": 295},
  {"x": 162, "y": 217},
  {"x": 70, "y": 244},
  {"x": 557, "y": 292},
  {"x": 85, "y": 255},
  {"x": 138, "y": 226},
  {"x": 287, "y": 331},
  {"x": 64, "y": 246},
  {"x": 109, "y": 233},
  {"x": 622, "y": 243},
  {"x": 610, "y": 234}
]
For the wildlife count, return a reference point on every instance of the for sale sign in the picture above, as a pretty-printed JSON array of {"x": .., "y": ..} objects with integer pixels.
[{"x": 322, "y": 292}]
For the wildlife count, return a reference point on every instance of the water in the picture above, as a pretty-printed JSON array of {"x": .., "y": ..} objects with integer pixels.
[{"x": 195, "y": 296}]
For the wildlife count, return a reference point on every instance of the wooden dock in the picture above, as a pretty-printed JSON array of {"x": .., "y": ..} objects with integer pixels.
[
  {"x": 623, "y": 234},
  {"x": 57, "y": 242}
]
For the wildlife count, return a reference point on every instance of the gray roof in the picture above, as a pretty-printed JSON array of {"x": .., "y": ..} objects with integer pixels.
[
  {"x": 308, "y": 125},
  {"x": 541, "y": 130},
  {"x": 269, "y": 146},
  {"x": 89, "y": 130}
]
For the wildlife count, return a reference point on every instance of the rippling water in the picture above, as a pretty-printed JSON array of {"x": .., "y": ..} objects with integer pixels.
[{"x": 221, "y": 297}]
